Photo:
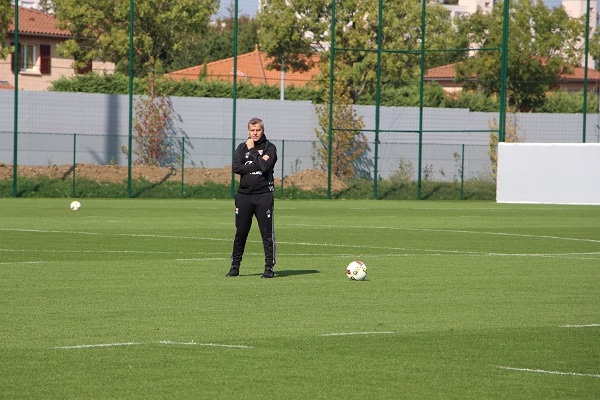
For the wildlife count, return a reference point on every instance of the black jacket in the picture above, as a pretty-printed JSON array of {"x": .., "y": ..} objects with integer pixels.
[{"x": 256, "y": 174}]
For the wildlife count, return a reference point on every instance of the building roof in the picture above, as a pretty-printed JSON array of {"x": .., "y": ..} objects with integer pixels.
[
  {"x": 37, "y": 23},
  {"x": 251, "y": 67},
  {"x": 447, "y": 72},
  {"x": 6, "y": 85}
]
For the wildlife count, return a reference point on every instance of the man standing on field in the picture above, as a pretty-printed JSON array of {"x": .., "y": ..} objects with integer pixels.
[{"x": 254, "y": 160}]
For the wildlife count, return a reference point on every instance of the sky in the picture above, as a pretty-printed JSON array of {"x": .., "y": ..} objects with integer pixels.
[
  {"x": 245, "y": 7},
  {"x": 552, "y": 3}
]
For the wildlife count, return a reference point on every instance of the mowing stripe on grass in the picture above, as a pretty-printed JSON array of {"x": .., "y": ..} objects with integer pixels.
[
  {"x": 581, "y": 326},
  {"x": 357, "y": 333},
  {"x": 542, "y": 371}
]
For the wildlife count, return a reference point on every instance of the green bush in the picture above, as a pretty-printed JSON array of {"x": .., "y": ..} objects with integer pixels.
[
  {"x": 119, "y": 84},
  {"x": 44, "y": 187},
  {"x": 398, "y": 96}
]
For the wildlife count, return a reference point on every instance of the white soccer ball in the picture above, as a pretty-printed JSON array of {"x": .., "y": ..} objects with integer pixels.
[
  {"x": 75, "y": 205},
  {"x": 356, "y": 271}
]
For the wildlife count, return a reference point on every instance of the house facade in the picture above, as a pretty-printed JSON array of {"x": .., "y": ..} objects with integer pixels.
[{"x": 38, "y": 60}]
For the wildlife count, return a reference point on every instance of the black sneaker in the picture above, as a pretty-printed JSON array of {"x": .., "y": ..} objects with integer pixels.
[
  {"x": 233, "y": 271},
  {"x": 269, "y": 273}
]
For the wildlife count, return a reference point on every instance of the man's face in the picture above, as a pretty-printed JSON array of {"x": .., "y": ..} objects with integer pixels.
[{"x": 255, "y": 132}]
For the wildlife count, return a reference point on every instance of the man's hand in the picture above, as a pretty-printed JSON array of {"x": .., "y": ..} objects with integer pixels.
[
  {"x": 250, "y": 143},
  {"x": 265, "y": 157}
]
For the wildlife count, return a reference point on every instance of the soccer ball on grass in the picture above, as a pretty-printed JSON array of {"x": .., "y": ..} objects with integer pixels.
[
  {"x": 75, "y": 205},
  {"x": 356, "y": 271}
]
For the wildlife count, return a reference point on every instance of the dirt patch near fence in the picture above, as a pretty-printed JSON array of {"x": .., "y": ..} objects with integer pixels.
[{"x": 306, "y": 180}]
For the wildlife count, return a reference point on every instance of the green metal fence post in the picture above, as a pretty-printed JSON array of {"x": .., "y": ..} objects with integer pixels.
[
  {"x": 182, "y": 167},
  {"x": 504, "y": 74},
  {"x": 73, "y": 191},
  {"x": 422, "y": 75},
  {"x": 130, "y": 130},
  {"x": 234, "y": 100},
  {"x": 331, "y": 83},
  {"x": 16, "y": 103},
  {"x": 462, "y": 173},
  {"x": 282, "y": 163},
  {"x": 378, "y": 99},
  {"x": 585, "y": 69}
]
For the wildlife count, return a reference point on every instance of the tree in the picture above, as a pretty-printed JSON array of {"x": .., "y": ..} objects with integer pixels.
[
  {"x": 6, "y": 18},
  {"x": 291, "y": 31},
  {"x": 288, "y": 30},
  {"x": 101, "y": 30},
  {"x": 348, "y": 142},
  {"x": 154, "y": 127},
  {"x": 47, "y": 6},
  {"x": 543, "y": 44},
  {"x": 511, "y": 135},
  {"x": 216, "y": 43}
]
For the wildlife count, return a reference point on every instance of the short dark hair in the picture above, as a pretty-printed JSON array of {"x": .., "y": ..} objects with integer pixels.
[{"x": 255, "y": 121}]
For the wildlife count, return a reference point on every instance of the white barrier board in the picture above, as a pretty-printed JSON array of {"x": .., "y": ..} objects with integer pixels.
[{"x": 548, "y": 173}]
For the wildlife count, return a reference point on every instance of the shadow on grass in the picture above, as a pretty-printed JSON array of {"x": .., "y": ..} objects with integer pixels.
[
  {"x": 292, "y": 272},
  {"x": 153, "y": 185},
  {"x": 287, "y": 273}
]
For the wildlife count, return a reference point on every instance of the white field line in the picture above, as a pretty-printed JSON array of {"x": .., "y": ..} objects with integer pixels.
[
  {"x": 311, "y": 226},
  {"x": 90, "y": 346},
  {"x": 100, "y": 345},
  {"x": 581, "y": 326},
  {"x": 357, "y": 333},
  {"x": 353, "y": 246},
  {"x": 91, "y": 251},
  {"x": 542, "y": 371},
  {"x": 145, "y": 235},
  {"x": 453, "y": 231},
  {"x": 192, "y": 343},
  {"x": 226, "y": 256},
  {"x": 21, "y": 262}
]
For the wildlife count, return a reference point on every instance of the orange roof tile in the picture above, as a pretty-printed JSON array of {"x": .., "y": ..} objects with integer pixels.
[
  {"x": 37, "y": 23},
  {"x": 443, "y": 72},
  {"x": 447, "y": 72},
  {"x": 251, "y": 67}
]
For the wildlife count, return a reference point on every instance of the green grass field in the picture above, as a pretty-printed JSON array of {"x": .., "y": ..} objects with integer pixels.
[{"x": 128, "y": 299}]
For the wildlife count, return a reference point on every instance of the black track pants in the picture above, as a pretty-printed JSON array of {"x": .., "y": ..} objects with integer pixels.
[{"x": 248, "y": 206}]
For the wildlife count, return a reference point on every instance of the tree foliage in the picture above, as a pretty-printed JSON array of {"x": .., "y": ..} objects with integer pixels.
[
  {"x": 6, "y": 17},
  {"x": 291, "y": 31},
  {"x": 543, "y": 45},
  {"x": 348, "y": 144},
  {"x": 511, "y": 135},
  {"x": 288, "y": 30},
  {"x": 216, "y": 43},
  {"x": 101, "y": 30},
  {"x": 154, "y": 127}
]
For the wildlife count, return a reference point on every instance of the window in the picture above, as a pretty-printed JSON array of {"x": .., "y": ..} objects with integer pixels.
[{"x": 28, "y": 57}]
